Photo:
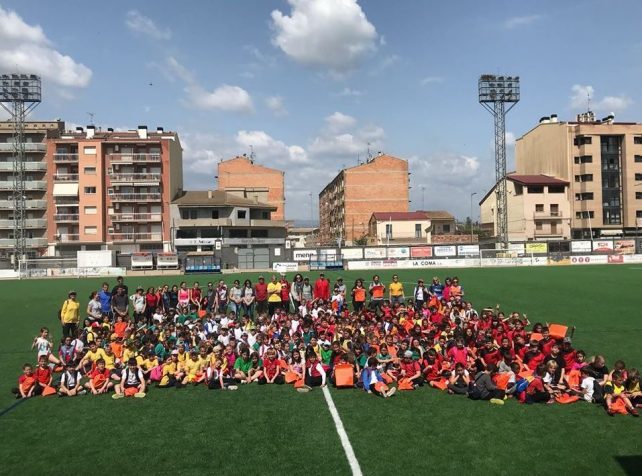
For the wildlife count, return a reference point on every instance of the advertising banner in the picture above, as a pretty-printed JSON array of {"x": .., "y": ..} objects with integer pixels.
[
  {"x": 401, "y": 252},
  {"x": 536, "y": 247},
  {"x": 370, "y": 253},
  {"x": 468, "y": 250},
  {"x": 624, "y": 247},
  {"x": 445, "y": 250},
  {"x": 352, "y": 253},
  {"x": 421, "y": 252},
  {"x": 603, "y": 246},
  {"x": 584, "y": 246},
  {"x": 304, "y": 255}
]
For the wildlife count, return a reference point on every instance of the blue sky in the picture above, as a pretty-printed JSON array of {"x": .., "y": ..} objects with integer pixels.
[{"x": 310, "y": 83}]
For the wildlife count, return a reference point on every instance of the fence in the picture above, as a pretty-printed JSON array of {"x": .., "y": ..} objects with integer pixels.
[{"x": 61, "y": 267}]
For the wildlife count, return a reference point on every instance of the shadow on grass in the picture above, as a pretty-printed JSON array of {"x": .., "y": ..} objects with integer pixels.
[{"x": 631, "y": 465}]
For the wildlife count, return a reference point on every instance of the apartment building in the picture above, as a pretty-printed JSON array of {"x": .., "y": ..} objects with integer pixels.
[
  {"x": 539, "y": 208},
  {"x": 408, "y": 228},
  {"x": 601, "y": 160},
  {"x": 36, "y": 177},
  {"x": 241, "y": 231},
  {"x": 112, "y": 189},
  {"x": 247, "y": 179},
  {"x": 349, "y": 200}
]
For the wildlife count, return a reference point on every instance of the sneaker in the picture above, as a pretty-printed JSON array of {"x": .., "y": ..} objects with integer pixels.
[
  {"x": 60, "y": 394},
  {"x": 116, "y": 396},
  {"x": 304, "y": 389},
  {"x": 634, "y": 412},
  {"x": 82, "y": 392},
  {"x": 391, "y": 392},
  {"x": 232, "y": 387},
  {"x": 497, "y": 401},
  {"x": 140, "y": 395}
]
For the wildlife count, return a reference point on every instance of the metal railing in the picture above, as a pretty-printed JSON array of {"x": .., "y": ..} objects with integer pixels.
[
  {"x": 28, "y": 146},
  {"x": 134, "y": 177},
  {"x": 68, "y": 237},
  {"x": 31, "y": 242},
  {"x": 29, "y": 223},
  {"x": 136, "y": 236},
  {"x": 29, "y": 166},
  {"x": 549, "y": 214},
  {"x": 66, "y": 217},
  {"x": 65, "y": 178},
  {"x": 127, "y": 158},
  {"x": 65, "y": 157},
  {"x": 135, "y": 197},
  {"x": 144, "y": 217}
]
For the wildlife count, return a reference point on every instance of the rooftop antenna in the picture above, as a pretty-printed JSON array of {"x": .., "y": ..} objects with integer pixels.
[
  {"x": 588, "y": 101},
  {"x": 91, "y": 118},
  {"x": 369, "y": 153},
  {"x": 252, "y": 156}
]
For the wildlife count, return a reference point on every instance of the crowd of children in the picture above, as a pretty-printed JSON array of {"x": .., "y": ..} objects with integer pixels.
[{"x": 376, "y": 337}]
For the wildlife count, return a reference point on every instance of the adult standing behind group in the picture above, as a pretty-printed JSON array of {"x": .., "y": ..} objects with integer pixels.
[
  {"x": 322, "y": 288},
  {"x": 70, "y": 315},
  {"x": 274, "y": 295},
  {"x": 261, "y": 296}
]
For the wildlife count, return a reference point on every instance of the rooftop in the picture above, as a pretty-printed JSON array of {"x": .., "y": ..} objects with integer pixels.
[
  {"x": 540, "y": 179},
  {"x": 217, "y": 198},
  {"x": 413, "y": 216}
]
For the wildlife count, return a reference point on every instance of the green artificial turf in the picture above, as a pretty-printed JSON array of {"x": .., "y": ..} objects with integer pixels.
[{"x": 274, "y": 430}]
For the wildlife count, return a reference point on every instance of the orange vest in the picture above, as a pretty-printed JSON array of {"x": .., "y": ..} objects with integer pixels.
[{"x": 359, "y": 294}]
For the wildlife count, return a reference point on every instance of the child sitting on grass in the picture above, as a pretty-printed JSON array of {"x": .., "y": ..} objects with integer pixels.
[{"x": 132, "y": 381}]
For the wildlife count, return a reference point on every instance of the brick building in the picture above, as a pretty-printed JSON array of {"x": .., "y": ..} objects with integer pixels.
[
  {"x": 112, "y": 189},
  {"x": 36, "y": 177},
  {"x": 349, "y": 200},
  {"x": 246, "y": 179}
]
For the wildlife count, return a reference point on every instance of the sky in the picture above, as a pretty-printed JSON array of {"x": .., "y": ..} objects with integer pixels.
[{"x": 311, "y": 86}]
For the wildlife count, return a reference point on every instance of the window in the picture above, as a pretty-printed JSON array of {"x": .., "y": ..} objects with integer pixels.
[
  {"x": 519, "y": 189},
  {"x": 91, "y": 230},
  {"x": 417, "y": 230},
  {"x": 265, "y": 215},
  {"x": 555, "y": 209},
  {"x": 234, "y": 233},
  {"x": 584, "y": 159},
  {"x": 214, "y": 214},
  {"x": 582, "y": 140},
  {"x": 536, "y": 189},
  {"x": 539, "y": 207},
  {"x": 90, "y": 210},
  {"x": 638, "y": 214},
  {"x": 90, "y": 170},
  {"x": 556, "y": 189},
  {"x": 638, "y": 159},
  {"x": 584, "y": 214},
  {"x": 538, "y": 225},
  {"x": 258, "y": 233},
  {"x": 241, "y": 214},
  {"x": 584, "y": 178},
  {"x": 584, "y": 196},
  {"x": 638, "y": 177},
  {"x": 638, "y": 195},
  {"x": 389, "y": 230},
  {"x": 90, "y": 190},
  {"x": 446, "y": 228},
  {"x": 637, "y": 140},
  {"x": 89, "y": 150}
]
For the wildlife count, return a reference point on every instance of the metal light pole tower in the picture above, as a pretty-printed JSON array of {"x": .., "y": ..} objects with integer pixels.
[
  {"x": 494, "y": 93},
  {"x": 19, "y": 95}
]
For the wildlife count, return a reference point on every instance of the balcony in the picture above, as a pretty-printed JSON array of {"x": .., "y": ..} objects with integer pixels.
[
  {"x": 68, "y": 201},
  {"x": 29, "y": 223},
  {"x": 29, "y": 166},
  {"x": 268, "y": 223},
  {"x": 135, "y": 197},
  {"x": 136, "y": 217},
  {"x": 133, "y": 158},
  {"x": 29, "y": 185},
  {"x": 28, "y": 146},
  {"x": 31, "y": 242},
  {"x": 134, "y": 237},
  {"x": 202, "y": 222},
  {"x": 548, "y": 215},
  {"x": 131, "y": 178},
  {"x": 66, "y": 217},
  {"x": 549, "y": 232},
  {"x": 65, "y": 178},
  {"x": 30, "y": 204},
  {"x": 65, "y": 158},
  {"x": 67, "y": 237}
]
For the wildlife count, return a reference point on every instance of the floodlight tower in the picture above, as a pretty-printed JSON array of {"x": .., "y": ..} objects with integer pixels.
[
  {"x": 19, "y": 95},
  {"x": 494, "y": 93}
]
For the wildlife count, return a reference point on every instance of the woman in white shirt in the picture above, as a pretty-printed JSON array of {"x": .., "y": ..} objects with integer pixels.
[{"x": 94, "y": 308}]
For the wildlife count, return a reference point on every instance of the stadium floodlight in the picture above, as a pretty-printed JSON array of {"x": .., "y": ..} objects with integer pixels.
[
  {"x": 19, "y": 95},
  {"x": 494, "y": 93}
]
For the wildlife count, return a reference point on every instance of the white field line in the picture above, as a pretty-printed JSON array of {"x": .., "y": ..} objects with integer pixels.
[{"x": 343, "y": 436}]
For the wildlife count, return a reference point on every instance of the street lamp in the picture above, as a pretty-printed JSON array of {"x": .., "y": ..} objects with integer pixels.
[{"x": 471, "y": 215}]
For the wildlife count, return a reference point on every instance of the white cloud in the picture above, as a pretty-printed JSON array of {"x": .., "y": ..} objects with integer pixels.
[
  {"x": 275, "y": 104},
  {"x": 224, "y": 98},
  {"x": 516, "y": 22},
  {"x": 386, "y": 63},
  {"x": 26, "y": 49},
  {"x": 266, "y": 147},
  {"x": 510, "y": 139},
  {"x": 431, "y": 80},
  {"x": 349, "y": 92},
  {"x": 139, "y": 23},
  {"x": 579, "y": 100},
  {"x": 332, "y": 34},
  {"x": 337, "y": 122}
]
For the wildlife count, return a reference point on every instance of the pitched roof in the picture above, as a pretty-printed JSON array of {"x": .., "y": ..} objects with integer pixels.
[
  {"x": 412, "y": 216},
  {"x": 540, "y": 179},
  {"x": 217, "y": 198}
]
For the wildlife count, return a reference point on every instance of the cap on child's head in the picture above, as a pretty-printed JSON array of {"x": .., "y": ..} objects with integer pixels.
[
  {"x": 174, "y": 352},
  {"x": 408, "y": 354}
]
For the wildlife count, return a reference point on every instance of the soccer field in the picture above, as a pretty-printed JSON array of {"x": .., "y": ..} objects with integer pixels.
[{"x": 275, "y": 430}]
